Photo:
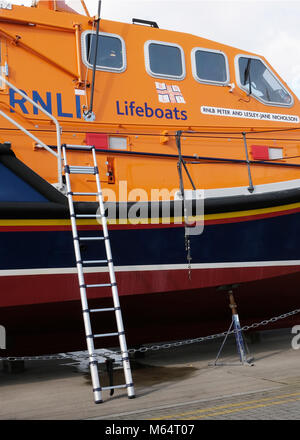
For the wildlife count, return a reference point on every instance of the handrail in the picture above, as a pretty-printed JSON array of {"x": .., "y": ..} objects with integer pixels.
[
  {"x": 193, "y": 159},
  {"x": 20, "y": 127},
  {"x": 182, "y": 162}
]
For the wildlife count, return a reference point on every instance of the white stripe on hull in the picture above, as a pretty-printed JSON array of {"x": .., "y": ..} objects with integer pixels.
[{"x": 141, "y": 268}]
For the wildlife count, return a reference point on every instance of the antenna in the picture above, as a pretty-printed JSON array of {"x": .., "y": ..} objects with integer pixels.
[{"x": 90, "y": 115}]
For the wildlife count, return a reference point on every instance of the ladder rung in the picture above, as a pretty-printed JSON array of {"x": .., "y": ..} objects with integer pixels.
[
  {"x": 99, "y": 285},
  {"x": 90, "y": 238},
  {"x": 94, "y": 261},
  {"x": 107, "y": 309},
  {"x": 81, "y": 147},
  {"x": 80, "y": 169},
  {"x": 88, "y": 215},
  {"x": 113, "y": 387},
  {"x": 85, "y": 194},
  {"x": 103, "y": 335}
]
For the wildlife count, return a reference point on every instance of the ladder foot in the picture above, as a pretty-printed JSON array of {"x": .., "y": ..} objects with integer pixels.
[
  {"x": 131, "y": 397},
  {"x": 98, "y": 401}
]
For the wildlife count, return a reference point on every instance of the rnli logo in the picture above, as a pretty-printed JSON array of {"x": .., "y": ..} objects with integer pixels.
[{"x": 169, "y": 93}]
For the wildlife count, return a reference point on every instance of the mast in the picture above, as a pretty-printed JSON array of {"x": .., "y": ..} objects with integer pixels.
[
  {"x": 90, "y": 115},
  {"x": 60, "y": 5}
]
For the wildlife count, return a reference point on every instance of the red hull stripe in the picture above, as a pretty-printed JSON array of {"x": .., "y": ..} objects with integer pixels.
[{"x": 58, "y": 288}]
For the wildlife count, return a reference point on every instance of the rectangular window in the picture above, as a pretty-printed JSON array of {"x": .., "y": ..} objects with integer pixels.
[
  {"x": 257, "y": 80},
  {"x": 210, "y": 67},
  {"x": 164, "y": 60},
  {"x": 110, "y": 52},
  {"x": 117, "y": 143}
]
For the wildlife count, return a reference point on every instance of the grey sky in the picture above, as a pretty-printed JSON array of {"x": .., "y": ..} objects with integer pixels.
[{"x": 267, "y": 27}]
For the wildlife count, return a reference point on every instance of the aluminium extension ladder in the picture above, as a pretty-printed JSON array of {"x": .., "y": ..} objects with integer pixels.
[{"x": 97, "y": 389}]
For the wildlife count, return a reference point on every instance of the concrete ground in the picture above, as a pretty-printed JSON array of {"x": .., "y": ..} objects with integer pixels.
[{"x": 173, "y": 384}]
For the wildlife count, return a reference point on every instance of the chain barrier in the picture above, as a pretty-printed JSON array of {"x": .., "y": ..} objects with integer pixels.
[{"x": 145, "y": 349}]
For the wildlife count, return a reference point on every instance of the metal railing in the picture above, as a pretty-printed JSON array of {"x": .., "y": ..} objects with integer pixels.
[
  {"x": 182, "y": 162},
  {"x": 32, "y": 136}
]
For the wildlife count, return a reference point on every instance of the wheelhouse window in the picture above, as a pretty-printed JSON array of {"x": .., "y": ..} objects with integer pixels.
[
  {"x": 210, "y": 67},
  {"x": 164, "y": 60},
  {"x": 257, "y": 80},
  {"x": 111, "y": 55}
]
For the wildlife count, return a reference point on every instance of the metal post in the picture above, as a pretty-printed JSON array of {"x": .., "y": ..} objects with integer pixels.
[
  {"x": 179, "y": 163},
  {"x": 235, "y": 323},
  {"x": 251, "y": 187}
]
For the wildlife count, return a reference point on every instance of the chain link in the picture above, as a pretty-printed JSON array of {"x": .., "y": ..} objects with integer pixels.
[
  {"x": 188, "y": 254},
  {"x": 145, "y": 349}
]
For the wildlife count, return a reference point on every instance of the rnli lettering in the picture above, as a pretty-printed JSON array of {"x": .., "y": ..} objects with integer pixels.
[
  {"x": 234, "y": 113},
  {"x": 46, "y": 102},
  {"x": 131, "y": 109}
]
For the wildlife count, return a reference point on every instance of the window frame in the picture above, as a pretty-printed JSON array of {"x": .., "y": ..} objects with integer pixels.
[
  {"x": 161, "y": 75},
  {"x": 206, "y": 81},
  {"x": 84, "y": 51},
  {"x": 245, "y": 89}
]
